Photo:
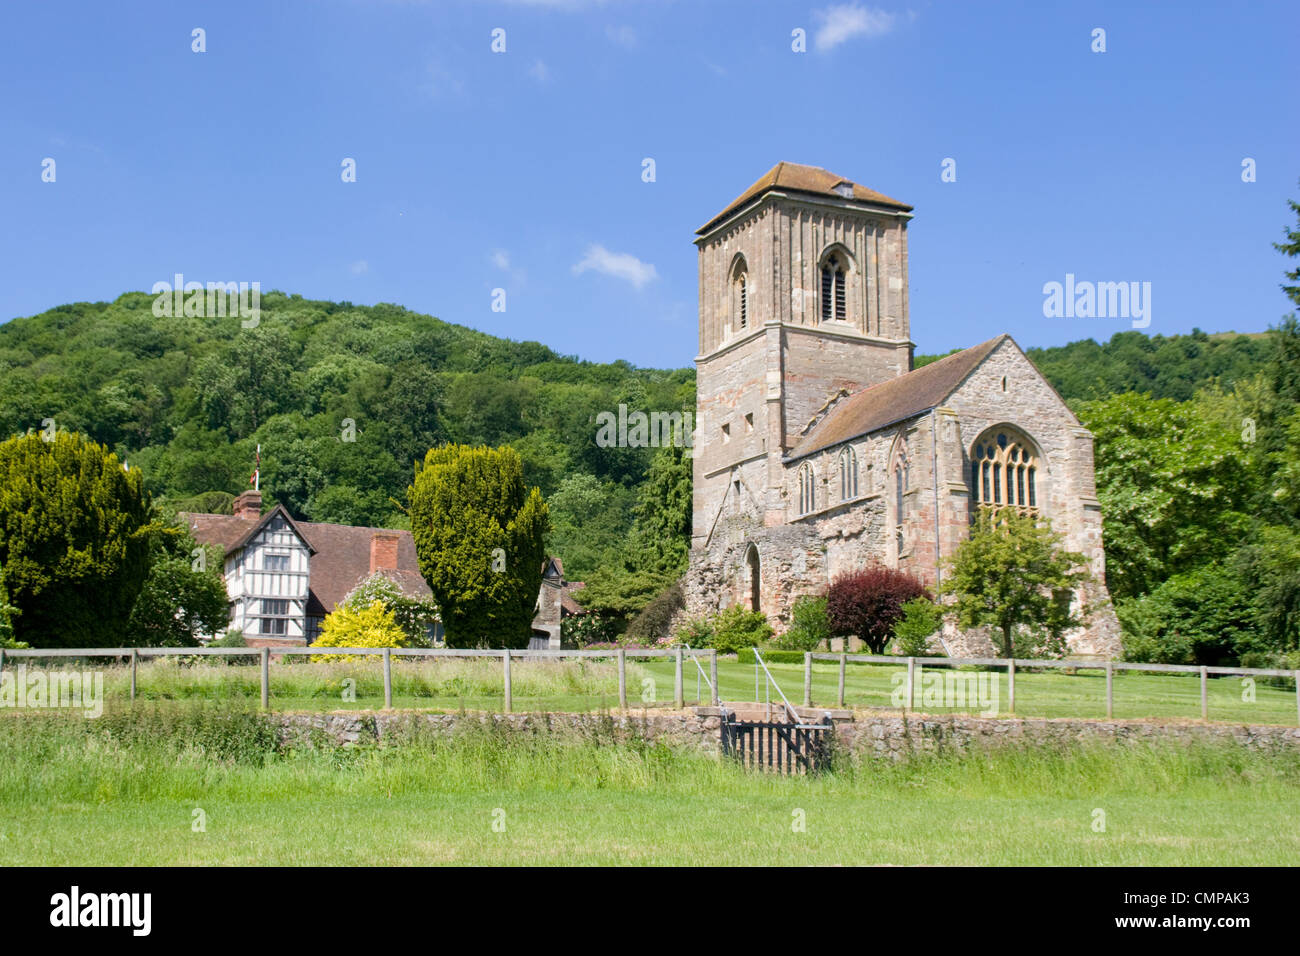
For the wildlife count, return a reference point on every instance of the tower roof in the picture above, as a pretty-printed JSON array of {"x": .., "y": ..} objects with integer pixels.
[{"x": 813, "y": 180}]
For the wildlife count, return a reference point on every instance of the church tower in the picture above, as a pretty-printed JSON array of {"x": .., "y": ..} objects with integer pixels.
[{"x": 803, "y": 293}]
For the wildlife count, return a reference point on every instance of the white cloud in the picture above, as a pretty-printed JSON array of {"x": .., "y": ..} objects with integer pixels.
[
  {"x": 620, "y": 265},
  {"x": 360, "y": 267},
  {"x": 501, "y": 259},
  {"x": 842, "y": 23},
  {"x": 539, "y": 71}
]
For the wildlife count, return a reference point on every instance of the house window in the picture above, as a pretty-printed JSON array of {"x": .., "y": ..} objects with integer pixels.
[
  {"x": 834, "y": 297},
  {"x": 275, "y": 562},
  {"x": 1004, "y": 471},
  {"x": 848, "y": 473},
  {"x": 274, "y": 617},
  {"x": 806, "y": 495}
]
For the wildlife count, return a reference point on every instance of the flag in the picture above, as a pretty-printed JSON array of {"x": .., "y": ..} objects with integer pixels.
[{"x": 257, "y": 469}]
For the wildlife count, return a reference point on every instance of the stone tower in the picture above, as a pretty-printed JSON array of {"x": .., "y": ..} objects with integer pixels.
[{"x": 803, "y": 293}]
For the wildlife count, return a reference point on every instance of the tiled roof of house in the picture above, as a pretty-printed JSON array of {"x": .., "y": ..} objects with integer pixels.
[
  {"x": 342, "y": 561},
  {"x": 794, "y": 177},
  {"x": 893, "y": 401}
]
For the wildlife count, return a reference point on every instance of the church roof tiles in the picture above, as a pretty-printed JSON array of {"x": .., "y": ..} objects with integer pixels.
[{"x": 893, "y": 401}]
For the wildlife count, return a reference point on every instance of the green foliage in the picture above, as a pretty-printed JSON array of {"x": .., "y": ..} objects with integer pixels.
[
  {"x": 479, "y": 534},
  {"x": 726, "y": 631},
  {"x": 580, "y": 630},
  {"x": 809, "y": 625},
  {"x": 232, "y": 638},
  {"x": 183, "y": 597},
  {"x": 413, "y": 616},
  {"x": 1013, "y": 575},
  {"x": 350, "y": 626},
  {"x": 74, "y": 540},
  {"x": 1174, "y": 487},
  {"x": 663, "y": 521},
  {"x": 590, "y": 519},
  {"x": 1269, "y": 569},
  {"x": 921, "y": 619},
  {"x": 619, "y": 594},
  {"x": 7, "y": 614},
  {"x": 655, "y": 620},
  {"x": 1203, "y": 616}
]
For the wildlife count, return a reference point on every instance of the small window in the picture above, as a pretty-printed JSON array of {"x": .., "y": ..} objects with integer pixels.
[
  {"x": 749, "y": 422},
  {"x": 848, "y": 473},
  {"x": 275, "y": 562},
  {"x": 834, "y": 304},
  {"x": 275, "y": 607},
  {"x": 726, "y": 434},
  {"x": 807, "y": 495}
]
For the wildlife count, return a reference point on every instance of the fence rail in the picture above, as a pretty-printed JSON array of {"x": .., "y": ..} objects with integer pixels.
[
  {"x": 1011, "y": 664},
  {"x": 133, "y": 654}
]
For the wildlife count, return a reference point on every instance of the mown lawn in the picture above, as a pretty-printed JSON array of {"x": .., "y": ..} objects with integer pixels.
[
  {"x": 592, "y": 685},
  {"x": 124, "y": 790}
]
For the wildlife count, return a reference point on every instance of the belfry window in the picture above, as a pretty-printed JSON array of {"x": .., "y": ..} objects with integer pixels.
[
  {"x": 740, "y": 293},
  {"x": 834, "y": 299},
  {"x": 1004, "y": 471}
]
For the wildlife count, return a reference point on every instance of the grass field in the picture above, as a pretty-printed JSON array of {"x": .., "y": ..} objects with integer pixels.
[
  {"x": 592, "y": 685},
  {"x": 124, "y": 789}
]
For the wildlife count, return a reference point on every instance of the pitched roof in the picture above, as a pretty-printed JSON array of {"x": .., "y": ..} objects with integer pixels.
[
  {"x": 231, "y": 532},
  {"x": 895, "y": 400},
  {"x": 342, "y": 561},
  {"x": 794, "y": 177}
]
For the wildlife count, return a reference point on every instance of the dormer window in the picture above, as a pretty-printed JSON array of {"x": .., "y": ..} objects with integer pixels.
[
  {"x": 834, "y": 299},
  {"x": 844, "y": 189}
]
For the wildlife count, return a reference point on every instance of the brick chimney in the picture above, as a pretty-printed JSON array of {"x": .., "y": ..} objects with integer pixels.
[
  {"x": 383, "y": 551},
  {"x": 248, "y": 505}
]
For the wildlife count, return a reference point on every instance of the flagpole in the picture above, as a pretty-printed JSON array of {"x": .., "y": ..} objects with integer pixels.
[{"x": 257, "y": 475}]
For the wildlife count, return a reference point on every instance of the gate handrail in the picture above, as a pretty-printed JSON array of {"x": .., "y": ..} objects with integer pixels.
[
  {"x": 794, "y": 714},
  {"x": 700, "y": 667}
]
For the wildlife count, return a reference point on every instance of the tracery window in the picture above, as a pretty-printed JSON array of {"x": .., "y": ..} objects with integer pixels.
[
  {"x": 834, "y": 299},
  {"x": 807, "y": 497},
  {"x": 848, "y": 473},
  {"x": 1004, "y": 471}
]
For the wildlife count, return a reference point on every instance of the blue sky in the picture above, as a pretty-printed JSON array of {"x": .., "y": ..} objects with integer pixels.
[{"x": 522, "y": 170}]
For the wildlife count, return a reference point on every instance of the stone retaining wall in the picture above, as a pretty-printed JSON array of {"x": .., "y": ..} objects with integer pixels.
[{"x": 881, "y": 735}]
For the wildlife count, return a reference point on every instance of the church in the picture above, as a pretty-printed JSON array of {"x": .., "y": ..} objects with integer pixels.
[{"x": 819, "y": 447}]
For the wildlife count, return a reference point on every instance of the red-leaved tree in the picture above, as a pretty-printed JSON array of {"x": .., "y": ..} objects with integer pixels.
[{"x": 869, "y": 602}]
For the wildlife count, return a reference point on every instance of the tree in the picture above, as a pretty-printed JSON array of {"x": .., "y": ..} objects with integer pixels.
[
  {"x": 7, "y": 613},
  {"x": 346, "y": 626},
  {"x": 479, "y": 532},
  {"x": 869, "y": 602},
  {"x": 921, "y": 618},
  {"x": 663, "y": 522},
  {"x": 1012, "y": 574},
  {"x": 183, "y": 596},
  {"x": 1204, "y": 616},
  {"x": 810, "y": 626},
  {"x": 74, "y": 540},
  {"x": 1174, "y": 486},
  {"x": 1291, "y": 248},
  {"x": 413, "y": 616}
]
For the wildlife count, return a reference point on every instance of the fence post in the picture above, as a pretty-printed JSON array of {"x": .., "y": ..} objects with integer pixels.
[
  {"x": 911, "y": 674},
  {"x": 1110, "y": 690},
  {"x": 713, "y": 676},
  {"x": 844, "y": 660},
  {"x": 1297, "y": 696},
  {"x": 678, "y": 700},
  {"x": 2, "y": 660},
  {"x": 1205, "y": 694},
  {"x": 1011, "y": 685},
  {"x": 509, "y": 694},
  {"x": 388, "y": 678},
  {"x": 622, "y": 679},
  {"x": 266, "y": 677},
  {"x": 807, "y": 678},
  {"x": 134, "y": 657}
]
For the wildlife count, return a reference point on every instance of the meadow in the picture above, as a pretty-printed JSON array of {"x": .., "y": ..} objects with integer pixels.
[
  {"x": 206, "y": 785},
  {"x": 591, "y": 684}
]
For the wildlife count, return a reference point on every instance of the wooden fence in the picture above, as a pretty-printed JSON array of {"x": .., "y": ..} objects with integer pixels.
[{"x": 133, "y": 654}]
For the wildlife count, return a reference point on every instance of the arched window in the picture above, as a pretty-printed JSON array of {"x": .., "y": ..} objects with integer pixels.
[
  {"x": 834, "y": 298},
  {"x": 848, "y": 473},
  {"x": 901, "y": 481},
  {"x": 1004, "y": 471},
  {"x": 740, "y": 293},
  {"x": 807, "y": 498},
  {"x": 755, "y": 579}
]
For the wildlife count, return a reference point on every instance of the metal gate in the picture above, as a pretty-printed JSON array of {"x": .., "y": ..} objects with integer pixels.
[{"x": 783, "y": 747}]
